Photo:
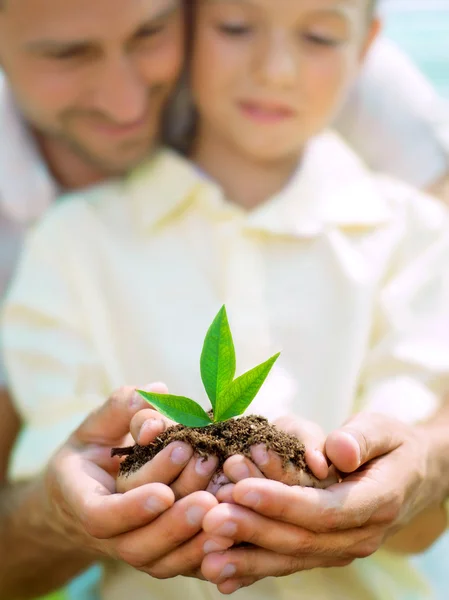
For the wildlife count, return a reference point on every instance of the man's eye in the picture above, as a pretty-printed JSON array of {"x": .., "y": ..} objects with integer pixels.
[
  {"x": 234, "y": 29},
  {"x": 320, "y": 40}
]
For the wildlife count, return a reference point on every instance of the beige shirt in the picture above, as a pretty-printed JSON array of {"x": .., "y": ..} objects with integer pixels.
[{"x": 341, "y": 272}]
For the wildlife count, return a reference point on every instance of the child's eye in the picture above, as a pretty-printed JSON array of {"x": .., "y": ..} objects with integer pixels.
[
  {"x": 149, "y": 32},
  {"x": 234, "y": 29},
  {"x": 320, "y": 40}
]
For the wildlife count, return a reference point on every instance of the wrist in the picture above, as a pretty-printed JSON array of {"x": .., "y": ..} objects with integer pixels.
[
  {"x": 435, "y": 440},
  {"x": 63, "y": 530}
]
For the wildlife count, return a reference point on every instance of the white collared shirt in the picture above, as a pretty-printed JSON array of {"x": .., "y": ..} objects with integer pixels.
[
  {"x": 26, "y": 188},
  {"x": 341, "y": 272}
]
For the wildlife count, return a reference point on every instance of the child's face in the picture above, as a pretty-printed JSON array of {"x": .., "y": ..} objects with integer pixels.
[{"x": 269, "y": 74}]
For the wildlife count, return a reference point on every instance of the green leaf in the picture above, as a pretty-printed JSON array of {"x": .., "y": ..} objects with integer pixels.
[
  {"x": 239, "y": 394},
  {"x": 218, "y": 357},
  {"x": 179, "y": 409}
]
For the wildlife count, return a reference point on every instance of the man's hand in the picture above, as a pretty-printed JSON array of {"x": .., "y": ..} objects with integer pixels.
[
  {"x": 294, "y": 528},
  {"x": 144, "y": 526}
]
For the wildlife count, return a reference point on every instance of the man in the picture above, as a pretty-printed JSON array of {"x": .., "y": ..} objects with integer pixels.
[{"x": 90, "y": 80}]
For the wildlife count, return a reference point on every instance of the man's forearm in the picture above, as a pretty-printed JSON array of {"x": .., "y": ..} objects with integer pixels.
[
  {"x": 437, "y": 433},
  {"x": 35, "y": 557}
]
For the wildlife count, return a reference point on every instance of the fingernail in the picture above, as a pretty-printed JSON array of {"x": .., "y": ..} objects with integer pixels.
[
  {"x": 228, "y": 529},
  {"x": 212, "y": 546},
  {"x": 136, "y": 401},
  {"x": 354, "y": 440},
  {"x": 239, "y": 472},
  {"x": 195, "y": 515},
  {"x": 228, "y": 571},
  {"x": 149, "y": 430},
  {"x": 251, "y": 499},
  {"x": 205, "y": 467},
  {"x": 260, "y": 455},
  {"x": 155, "y": 506},
  {"x": 180, "y": 455}
]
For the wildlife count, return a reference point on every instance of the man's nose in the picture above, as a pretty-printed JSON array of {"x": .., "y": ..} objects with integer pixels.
[{"x": 121, "y": 93}]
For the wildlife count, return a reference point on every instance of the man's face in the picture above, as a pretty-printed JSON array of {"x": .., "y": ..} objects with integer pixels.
[{"x": 95, "y": 74}]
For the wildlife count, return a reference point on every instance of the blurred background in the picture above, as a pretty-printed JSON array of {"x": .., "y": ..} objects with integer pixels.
[{"x": 421, "y": 28}]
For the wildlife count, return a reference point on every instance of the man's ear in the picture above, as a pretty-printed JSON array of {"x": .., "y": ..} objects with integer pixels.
[{"x": 374, "y": 29}]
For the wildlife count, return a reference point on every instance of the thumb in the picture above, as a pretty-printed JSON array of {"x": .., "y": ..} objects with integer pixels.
[
  {"x": 111, "y": 421},
  {"x": 364, "y": 437}
]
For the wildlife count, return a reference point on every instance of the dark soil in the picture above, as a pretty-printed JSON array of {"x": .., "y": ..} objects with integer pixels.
[{"x": 222, "y": 440}]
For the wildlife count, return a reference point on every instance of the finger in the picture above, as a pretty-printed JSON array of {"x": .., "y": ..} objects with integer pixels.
[
  {"x": 239, "y": 467},
  {"x": 187, "y": 558},
  {"x": 229, "y": 586},
  {"x": 271, "y": 465},
  {"x": 88, "y": 491},
  {"x": 243, "y": 525},
  {"x": 217, "y": 482},
  {"x": 196, "y": 476},
  {"x": 147, "y": 424},
  {"x": 313, "y": 438},
  {"x": 110, "y": 422},
  {"x": 225, "y": 494},
  {"x": 257, "y": 563},
  {"x": 342, "y": 506},
  {"x": 362, "y": 438},
  {"x": 165, "y": 467},
  {"x": 143, "y": 547}
]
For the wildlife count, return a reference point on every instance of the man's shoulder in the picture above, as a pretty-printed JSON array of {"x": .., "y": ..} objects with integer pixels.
[
  {"x": 116, "y": 202},
  {"x": 416, "y": 207}
]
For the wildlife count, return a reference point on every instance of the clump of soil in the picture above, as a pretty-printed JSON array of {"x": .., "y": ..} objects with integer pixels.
[{"x": 222, "y": 440}]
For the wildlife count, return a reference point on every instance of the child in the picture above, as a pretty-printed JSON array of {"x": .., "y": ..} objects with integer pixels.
[{"x": 311, "y": 253}]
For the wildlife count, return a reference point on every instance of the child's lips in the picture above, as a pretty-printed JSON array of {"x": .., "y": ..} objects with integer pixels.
[{"x": 266, "y": 112}]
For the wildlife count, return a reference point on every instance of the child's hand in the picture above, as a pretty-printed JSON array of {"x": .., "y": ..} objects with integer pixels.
[
  {"x": 176, "y": 465},
  {"x": 267, "y": 464}
]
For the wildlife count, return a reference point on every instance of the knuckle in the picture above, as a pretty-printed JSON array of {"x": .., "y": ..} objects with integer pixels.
[
  {"x": 159, "y": 571},
  {"x": 366, "y": 548},
  {"x": 181, "y": 489},
  {"x": 90, "y": 521},
  {"x": 331, "y": 518},
  {"x": 118, "y": 395},
  {"x": 130, "y": 556},
  {"x": 391, "y": 508},
  {"x": 291, "y": 565},
  {"x": 343, "y": 562},
  {"x": 305, "y": 543}
]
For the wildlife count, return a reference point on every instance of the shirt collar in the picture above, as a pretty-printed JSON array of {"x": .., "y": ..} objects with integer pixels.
[
  {"x": 330, "y": 187},
  {"x": 26, "y": 187},
  {"x": 347, "y": 196},
  {"x": 164, "y": 184}
]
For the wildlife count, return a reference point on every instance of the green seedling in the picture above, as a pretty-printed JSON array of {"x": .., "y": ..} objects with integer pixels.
[{"x": 229, "y": 397}]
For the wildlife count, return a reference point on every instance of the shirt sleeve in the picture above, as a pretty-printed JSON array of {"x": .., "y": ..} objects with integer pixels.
[
  {"x": 407, "y": 368},
  {"x": 54, "y": 373},
  {"x": 395, "y": 119}
]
